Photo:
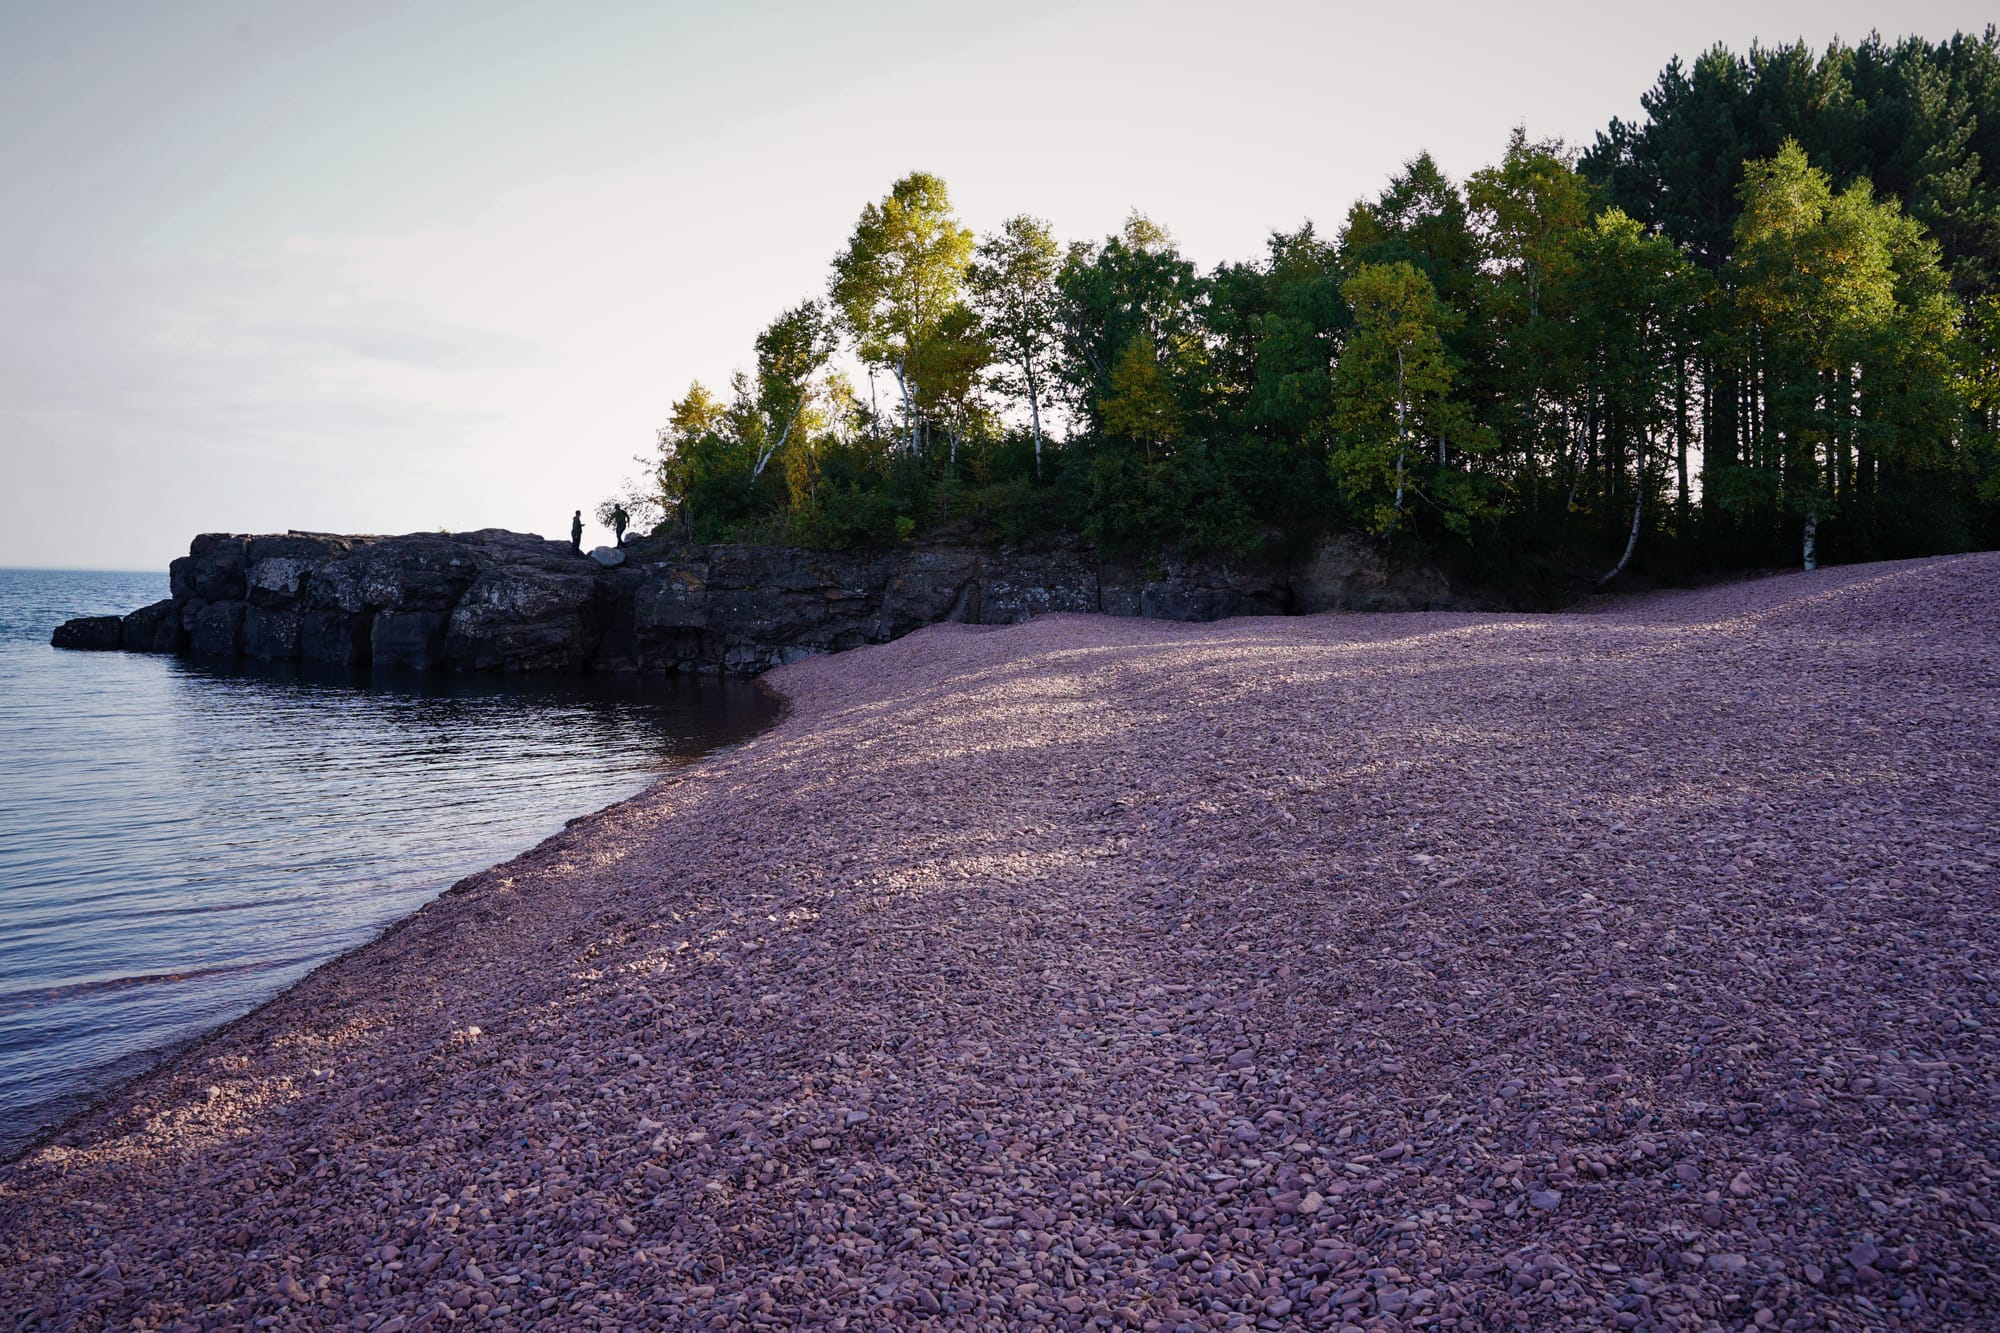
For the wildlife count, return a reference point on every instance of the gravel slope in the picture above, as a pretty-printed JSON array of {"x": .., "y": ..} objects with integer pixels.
[{"x": 1620, "y": 970}]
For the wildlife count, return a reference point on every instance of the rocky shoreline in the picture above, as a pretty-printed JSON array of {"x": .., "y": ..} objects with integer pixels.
[
  {"x": 1411, "y": 972},
  {"x": 501, "y": 601}
]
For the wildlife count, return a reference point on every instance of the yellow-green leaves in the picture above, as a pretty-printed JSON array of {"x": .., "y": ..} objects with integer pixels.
[
  {"x": 1140, "y": 405},
  {"x": 1391, "y": 388},
  {"x": 901, "y": 277}
]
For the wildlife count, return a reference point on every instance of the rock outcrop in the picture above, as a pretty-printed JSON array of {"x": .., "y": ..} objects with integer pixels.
[
  {"x": 90, "y": 632},
  {"x": 488, "y": 600},
  {"x": 502, "y": 601}
]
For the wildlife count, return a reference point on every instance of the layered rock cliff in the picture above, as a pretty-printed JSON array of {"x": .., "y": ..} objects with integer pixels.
[{"x": 496, "y": 600}]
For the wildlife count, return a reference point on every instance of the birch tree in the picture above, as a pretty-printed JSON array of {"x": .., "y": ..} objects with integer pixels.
[
  {"x": 1815, "y": 278},
  {"x": 1013, "y": 283},
  {"x": 1628, "y": 298},
  {"x": 899, "y": 280},
  {"x": 1391, "y": 389},
  {"x": 791, "y": 353}
]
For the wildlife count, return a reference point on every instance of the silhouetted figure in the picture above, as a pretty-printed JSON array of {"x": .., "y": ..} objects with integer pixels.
[
  {"x": 619, "y": 518},
  {"x": 576, "y": 531}
]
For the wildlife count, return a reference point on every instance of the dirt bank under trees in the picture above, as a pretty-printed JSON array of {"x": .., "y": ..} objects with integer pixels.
[{"x": 1632, "y": 969}]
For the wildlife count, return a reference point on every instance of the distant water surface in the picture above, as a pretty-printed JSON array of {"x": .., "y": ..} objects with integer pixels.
[{"x": 179, "y": 841}]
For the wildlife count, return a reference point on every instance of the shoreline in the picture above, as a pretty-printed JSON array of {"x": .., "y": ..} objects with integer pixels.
[
  {"x": 160, "y": 1058},
  {"x": 1087, "y": 967},
  {"x": 154, "y": 1060}
]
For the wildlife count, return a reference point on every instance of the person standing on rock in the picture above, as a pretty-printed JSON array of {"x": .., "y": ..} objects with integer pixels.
[
  {"x": 576, "y": 532},
  {"x": 619, "y": 518}
]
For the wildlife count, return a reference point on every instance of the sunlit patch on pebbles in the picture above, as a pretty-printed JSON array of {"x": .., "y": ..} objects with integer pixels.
[{"x": 1437, "y": 972}]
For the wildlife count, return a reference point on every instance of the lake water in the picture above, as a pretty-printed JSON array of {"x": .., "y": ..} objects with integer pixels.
[{"x": 179, "y": 840}]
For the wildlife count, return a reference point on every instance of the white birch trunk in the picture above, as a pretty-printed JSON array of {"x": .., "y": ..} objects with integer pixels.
[
  {"x": 766, "y": 456},
  {"x": 1402, "y": 430},
  {"x": 909, "y": 413},
  {"x": 1576, "y": 468},
  {"x": 1812, "y": 540},
  {"x": 1035, "y": 415},
  {"x": 1632, "y": 539}
]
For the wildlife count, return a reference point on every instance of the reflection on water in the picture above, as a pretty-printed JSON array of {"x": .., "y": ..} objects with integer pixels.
[{"x": 178, "y": 841}]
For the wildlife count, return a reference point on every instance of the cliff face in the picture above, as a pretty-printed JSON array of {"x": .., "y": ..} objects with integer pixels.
[
  {"x": 496, "y": 600},
  {"x": 471, "y": 601}
]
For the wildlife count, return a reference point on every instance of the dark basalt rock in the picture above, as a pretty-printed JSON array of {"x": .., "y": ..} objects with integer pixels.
[
  {"x": 212, "y": 571},
  {"x": 90, "y": 633},
  {"x": 153, "y": 629},
  {"x": 270, "y": 634},
  {"x": 335, "y": 637},
  {"x": 501, "y": 601},
  {"x": 413, "y": 639},
  {"x": 216, "y": 629},
  {"x": 528, "y": 617}
]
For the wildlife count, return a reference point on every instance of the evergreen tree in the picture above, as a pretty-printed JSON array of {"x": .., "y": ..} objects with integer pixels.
[{"x": 1758, "y": 320}]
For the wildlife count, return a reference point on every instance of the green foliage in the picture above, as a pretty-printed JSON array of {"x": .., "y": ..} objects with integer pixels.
[
  {"x": 1133, "y": 284},
  {"x": 1393, "y": 402},
  {"x": 1139, "y": 402},
  {"x": 1013, "y": 283},
  {"x": 1919, "y": 120},
  {"x": 1844, "y": 302},
  {"x": 1767, "y": 306},
  {"x": 899, "y": 287}
]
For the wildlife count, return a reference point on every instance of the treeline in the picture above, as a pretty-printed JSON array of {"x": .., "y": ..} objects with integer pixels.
[{"x": 1758, "y": 327}]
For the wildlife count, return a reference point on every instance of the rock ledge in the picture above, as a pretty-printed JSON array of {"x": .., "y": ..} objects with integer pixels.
[{"x": 494, "y": 600}]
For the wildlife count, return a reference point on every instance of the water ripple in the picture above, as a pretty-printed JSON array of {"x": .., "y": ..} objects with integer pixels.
[{"x": 179, "y": 841}]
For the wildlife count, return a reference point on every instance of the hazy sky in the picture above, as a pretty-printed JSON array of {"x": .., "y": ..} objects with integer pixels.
[{"x": 380, "y": 267}]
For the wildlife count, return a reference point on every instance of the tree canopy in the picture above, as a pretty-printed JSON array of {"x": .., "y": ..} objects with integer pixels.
[{"x": 1759, "y": 326}]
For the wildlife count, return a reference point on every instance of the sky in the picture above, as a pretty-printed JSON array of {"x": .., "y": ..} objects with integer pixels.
[{"x": 388, "y": 267}]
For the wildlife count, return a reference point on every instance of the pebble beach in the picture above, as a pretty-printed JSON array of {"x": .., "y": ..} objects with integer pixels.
[{"x": 1632, "y": 968}]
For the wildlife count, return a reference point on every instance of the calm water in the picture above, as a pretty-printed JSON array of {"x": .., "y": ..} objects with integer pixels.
[{"x": 179, "y": 841}]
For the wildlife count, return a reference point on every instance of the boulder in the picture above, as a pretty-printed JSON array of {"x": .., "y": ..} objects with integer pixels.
[
  {"x": 313, "y": 548},
  {"x": 418, "y": 573},
  {"x": 1195, "y": 590},
  {"x": 608, "y": 556},
  {"x": 275, "y": 581},
  {"x": 1349, "y": 574},
  {"x": 276, "y": 567},
  {"x": 413, "y": 639},
  {"x": 1017, "y": 586},
  {"x": 269, "y": 634},
  {"x": 90, "y": 633},
  {"x": 153, "y": 629},
  {"x": 217, "y": 630},
  {"x": 212, "y": 570},
  {"x": 518, "y": 618},
  {"x": 332, "y": 637},
  {"x": 930, "y": 586},
  {"x": 1180, "y": 599}
]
